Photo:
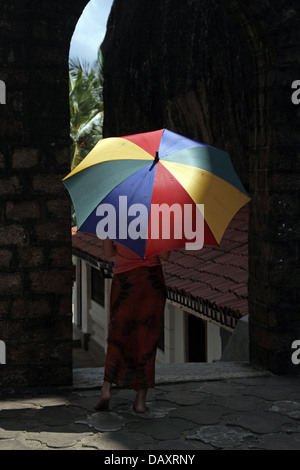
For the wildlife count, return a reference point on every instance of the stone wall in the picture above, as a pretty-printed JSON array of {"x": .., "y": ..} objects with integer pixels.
[
  {"x": 35, "y": 236},
  {"x": 272, "y": 32},
  {"x": 221, "y": 71},
  {"x": 182, "y": 66}
]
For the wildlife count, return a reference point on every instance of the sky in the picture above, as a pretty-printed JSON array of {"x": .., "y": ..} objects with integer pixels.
[{"x": 90, "y": 31}]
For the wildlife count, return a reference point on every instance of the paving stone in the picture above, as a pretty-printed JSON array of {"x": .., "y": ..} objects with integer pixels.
[
  {"x": 210, "y": 414},
  {"x": 233, "y": 410},
  {"x": 13, "y": 405},
  {"x": 180, "y": 387},
  {"x": 124, "y": 394},
  {"x": 174, "y": 445},
  {"x": 121, "y": 440},
  {"x": 85, "y": 403},
  {"x": 13, "y": 444},
  {"x": 184, "y": 398},
  {"x": 220, "y": 388},
  {"x": 5, "y": 433},
  {"x": 24, "y": 421},
  {"x": 161, "y": 429},
  {"x": 261, "y": 423},
  {"x": 236, "y": 402},
  {"x": 158, "y": 410},
  {"x": 288, "y": 408},
  {"x": 88, "y": 403},
  {"x": 55, "y": 440},
  {"x": 279, "y": 441},
  {"x": 61, "y": 416},
  {"x": 293, "y": 426},
  {"x": 220, "y": 437},
  {"x": 155, "y": 410},
  {"x": 272, "y": 388},
  {"x": 46, "y": 401},
  {"x": 104, "y": 421},
  {"x": 251, "y": 381},
  {"x": 84, "y": 393}
]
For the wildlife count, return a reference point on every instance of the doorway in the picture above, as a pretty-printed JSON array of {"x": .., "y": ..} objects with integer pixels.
[{"x": 195, "y": 339}]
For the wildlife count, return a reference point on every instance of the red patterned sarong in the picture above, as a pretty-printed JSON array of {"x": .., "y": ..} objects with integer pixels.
[{"x": 136, "y": 312}]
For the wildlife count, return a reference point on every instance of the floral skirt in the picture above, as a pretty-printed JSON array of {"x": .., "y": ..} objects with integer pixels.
[{"x": 136, "y": 316}]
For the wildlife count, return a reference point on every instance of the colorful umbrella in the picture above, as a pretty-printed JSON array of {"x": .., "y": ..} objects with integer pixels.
[{"x": 150, "y": 192}]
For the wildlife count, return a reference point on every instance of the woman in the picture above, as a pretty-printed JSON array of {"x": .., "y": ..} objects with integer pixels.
[{"x": 137, "y": 303}]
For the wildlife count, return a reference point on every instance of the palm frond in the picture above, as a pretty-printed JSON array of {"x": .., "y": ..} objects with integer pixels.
[{"x": 86, "y": 106}]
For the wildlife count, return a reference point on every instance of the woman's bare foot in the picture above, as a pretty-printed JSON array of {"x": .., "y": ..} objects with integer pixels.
[
  {"x": 103, "y": 403},
  {"x": 139, "y": 404}
]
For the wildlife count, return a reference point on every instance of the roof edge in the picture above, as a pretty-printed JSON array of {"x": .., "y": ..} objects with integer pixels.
[{"x": 226, "y": 316}]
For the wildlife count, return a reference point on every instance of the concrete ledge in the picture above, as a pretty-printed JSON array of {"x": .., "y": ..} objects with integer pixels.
[
  {"x": 237, "y": 348},
  {"x": 177, "y": 373}
]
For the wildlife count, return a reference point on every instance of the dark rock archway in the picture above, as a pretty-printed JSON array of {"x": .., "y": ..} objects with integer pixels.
[
  {"x": 216, "y": 70},
  {"x": 221, "y": 71},
  {"x": 35, "y": 237}
]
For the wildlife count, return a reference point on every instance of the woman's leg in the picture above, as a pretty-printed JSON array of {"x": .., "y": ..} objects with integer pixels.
[
  {"x": 103, "y": 402},
  {"x": 140, "y": 401}
]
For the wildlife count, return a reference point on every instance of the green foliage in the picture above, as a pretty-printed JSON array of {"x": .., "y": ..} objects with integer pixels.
[
  {"x": 86, "y": 106},
  {"x": 86, "y": 109}
]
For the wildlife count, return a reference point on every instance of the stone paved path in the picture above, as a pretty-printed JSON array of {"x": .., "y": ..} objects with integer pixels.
[{"x": 192, "y": 408}]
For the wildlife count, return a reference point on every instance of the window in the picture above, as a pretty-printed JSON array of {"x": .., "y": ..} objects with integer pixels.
[
  {"x": 98, "y": 283},
  {"x": 161, "y": 340},
  {"x": 196, "y": 338}
]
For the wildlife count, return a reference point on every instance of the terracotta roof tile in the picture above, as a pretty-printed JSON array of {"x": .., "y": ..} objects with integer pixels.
[{"x": 214, "y": 276}]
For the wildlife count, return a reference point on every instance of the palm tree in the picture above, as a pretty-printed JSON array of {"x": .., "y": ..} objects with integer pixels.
[
  {"x": 86, "y": 106},
  {"x": 86, "y": 109}
]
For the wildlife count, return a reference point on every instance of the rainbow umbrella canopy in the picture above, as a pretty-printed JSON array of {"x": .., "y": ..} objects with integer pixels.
[{"x": 153, "y": 192}]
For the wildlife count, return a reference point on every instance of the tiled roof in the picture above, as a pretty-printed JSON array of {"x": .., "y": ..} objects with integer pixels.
[
  {"x": 211, "y": 281},
  {"x": 89, "y": 247}
]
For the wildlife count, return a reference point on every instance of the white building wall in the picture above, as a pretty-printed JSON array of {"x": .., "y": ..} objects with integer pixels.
[
  {"x": 174, "y": 347},
  {"x": 179, "y": 335},
  {"x": 85, "y": 296},
  {"x": 76, "y": 291},
  {"x": 214, "y": 345},
  {"x": 99, "y": 318},
  {"x": 95, "y": 320},
  {"x": 97, "y": 323}
]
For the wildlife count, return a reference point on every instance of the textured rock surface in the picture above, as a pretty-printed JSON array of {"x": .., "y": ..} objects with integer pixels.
[
  {"x": 180, "y": 66},
  {"x": 221, "y": 71},
  {"x": 35, "y": 237},
  {"x": 243, "y": 408}
]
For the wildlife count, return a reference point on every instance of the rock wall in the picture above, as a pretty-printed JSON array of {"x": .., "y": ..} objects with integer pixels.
[
  {"x": 179, "y": 65},
  {"x": 35, "y": 232},
  {"x": 221, "y": 71}
]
